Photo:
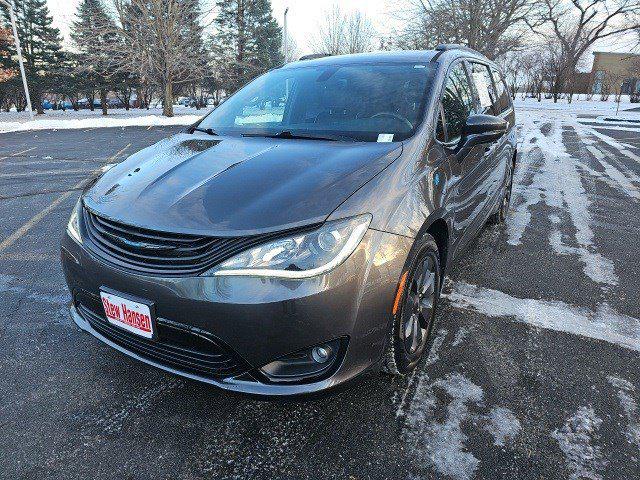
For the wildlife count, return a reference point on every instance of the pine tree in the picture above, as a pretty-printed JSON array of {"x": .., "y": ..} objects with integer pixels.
[
  {"x": 248, "y": 41},
  {"x": 94, "y": 35},
  {"x": 41, "y": 46}
]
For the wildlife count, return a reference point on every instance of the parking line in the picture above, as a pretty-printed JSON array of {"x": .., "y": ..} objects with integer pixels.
[
  {"x": 11, "y": 239},
  {"x": 15, "y": 236},
  {"x": 48, "y": 172},
  {"x": 18, "y": 153}
]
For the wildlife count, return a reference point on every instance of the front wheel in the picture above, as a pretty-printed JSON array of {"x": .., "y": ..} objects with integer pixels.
[{"x": 414, "y": 311}]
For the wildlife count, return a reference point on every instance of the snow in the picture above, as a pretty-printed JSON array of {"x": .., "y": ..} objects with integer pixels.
[
  {"x": 556, "y": 181},
  {"x": 575, "y": 438},
  {"x": 84, "y": 119},
  {"x": 503, "y": 425},
  {"x": 441, "y": 442},
  {"x": 593, "y": 107},
  {"x": 629, "y": 406},
  {"x": 604, "y": 324}
]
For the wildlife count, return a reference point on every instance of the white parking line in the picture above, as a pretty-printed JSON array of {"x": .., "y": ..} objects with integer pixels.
[
  {"x": 47, "y": 173},
  {"x": 604, "y": 323},
  {"x": 15, "y": 236},
  {"x": 18, "y": 153}
]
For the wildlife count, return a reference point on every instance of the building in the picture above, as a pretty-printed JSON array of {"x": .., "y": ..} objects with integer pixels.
[{"x": 611, "y": 70}]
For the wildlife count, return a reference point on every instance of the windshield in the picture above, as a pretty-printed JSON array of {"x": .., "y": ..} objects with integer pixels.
[{"x": 371, "y": 102}]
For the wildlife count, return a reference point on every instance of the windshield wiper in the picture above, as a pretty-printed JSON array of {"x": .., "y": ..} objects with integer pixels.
[
  {"x": 208, "y": 131},
  {"x": 289, "y": 135}
]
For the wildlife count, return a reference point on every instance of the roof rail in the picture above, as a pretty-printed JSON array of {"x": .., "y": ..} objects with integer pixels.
[
  {"x": 313, "y": 56},
  {"x": 443, "y": 47}
]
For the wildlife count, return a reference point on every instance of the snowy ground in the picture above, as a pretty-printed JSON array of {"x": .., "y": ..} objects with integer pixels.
[
  {"x": 534, "y": 369},
  {"x": 60, "y": 120}
]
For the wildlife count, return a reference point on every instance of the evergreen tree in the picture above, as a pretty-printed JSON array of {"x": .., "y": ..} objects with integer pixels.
[
  {"x": 248, "y": 41},
  {"x": 41, "y": 46},
  {"x": 94, "y": 35}
]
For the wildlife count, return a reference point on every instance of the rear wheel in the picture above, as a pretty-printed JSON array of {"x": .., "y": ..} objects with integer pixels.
[
  {"x": 503, "y": 208},
  {"x": 414, "y": 317}
]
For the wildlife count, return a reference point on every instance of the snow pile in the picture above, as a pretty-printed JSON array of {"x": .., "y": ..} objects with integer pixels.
[{"x": 59, "y": 120}]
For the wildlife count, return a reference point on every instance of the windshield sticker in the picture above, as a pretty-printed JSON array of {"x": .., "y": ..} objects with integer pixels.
[
  {"x": 483, "y": 89},
  {"x": 385, "y": 137}
]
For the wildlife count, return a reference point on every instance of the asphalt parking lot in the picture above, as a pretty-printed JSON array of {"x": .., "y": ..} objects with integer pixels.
[{"x": 534, "y": 370}]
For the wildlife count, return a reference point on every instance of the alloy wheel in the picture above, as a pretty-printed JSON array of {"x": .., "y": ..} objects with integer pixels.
[{"x": 418, "y": 309}]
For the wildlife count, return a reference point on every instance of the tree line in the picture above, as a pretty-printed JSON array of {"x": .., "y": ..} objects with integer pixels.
[
  {"x": 140, "y": 49},
  {"x": 147, "y": 49}
]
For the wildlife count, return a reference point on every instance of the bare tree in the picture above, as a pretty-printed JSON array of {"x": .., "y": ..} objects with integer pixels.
[
  {"x": 339, "y": 33},
  {"x": 161, "y": 41},
  {"x": 571, "y": 27},
  {"x": 492, "y": 27},
  {"x": 512, "y": 66}
]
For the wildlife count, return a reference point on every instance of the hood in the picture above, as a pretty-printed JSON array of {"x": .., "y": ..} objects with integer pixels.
[{"x": 235, "y": 186}]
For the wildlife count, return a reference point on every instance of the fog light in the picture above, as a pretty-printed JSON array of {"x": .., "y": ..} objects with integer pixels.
[
  {"x": 304, "y": 364},
  {"x": 320, "y": 354}
]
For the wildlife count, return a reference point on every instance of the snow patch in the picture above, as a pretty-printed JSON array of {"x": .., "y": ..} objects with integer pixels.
[
  {"x": 460, "y": 336},
  {"x": 629, "y": 406},
  {"x": 575, "y": 438},
  {"x": 443, "y": 443},
  {"x": 604, "y": 323},
  {"x": 432, "y": 358},
  {"x": 58, "y": 122},
  {"x": 503, "y": 425}
]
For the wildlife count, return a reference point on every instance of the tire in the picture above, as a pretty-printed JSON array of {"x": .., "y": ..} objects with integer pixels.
[
  {"x": 500, "y": 215},
  {"x": 414, "y": 318}
]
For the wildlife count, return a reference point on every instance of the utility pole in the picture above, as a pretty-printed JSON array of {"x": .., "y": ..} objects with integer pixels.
[
  {"x": 286, "y": 37},
  {"x": 19, "y": 50}
]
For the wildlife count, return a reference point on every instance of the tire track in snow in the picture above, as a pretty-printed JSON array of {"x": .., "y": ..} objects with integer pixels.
[{"x": 557, "y": 183}]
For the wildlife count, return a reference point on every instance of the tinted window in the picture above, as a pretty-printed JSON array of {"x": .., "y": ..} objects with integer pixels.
[
  {"x": 504, "y": 100},
  {"x": 485, "y": 89},
  {"x": 361, "y": 102},
  {"x": 457, "y": 102}
]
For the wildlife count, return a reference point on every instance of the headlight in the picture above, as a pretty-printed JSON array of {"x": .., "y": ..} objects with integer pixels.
[
  {"x": 73, "y": 227},
  {"x": 300, "y": 256}
]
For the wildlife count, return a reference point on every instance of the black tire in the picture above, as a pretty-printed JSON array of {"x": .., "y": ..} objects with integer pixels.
[
  {"x": 414, "y": 319},
  {"x": 500, "y": 215}
]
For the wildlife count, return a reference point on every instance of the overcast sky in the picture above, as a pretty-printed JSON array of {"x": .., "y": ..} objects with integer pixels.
[{"x": 303, "y": 18}]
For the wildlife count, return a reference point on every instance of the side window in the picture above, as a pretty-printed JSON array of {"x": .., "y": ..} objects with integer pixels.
[
  {"x": 504, "y": 100},
  {"x": 457, "y": 102},
  {"x": 485, "y": 89}
]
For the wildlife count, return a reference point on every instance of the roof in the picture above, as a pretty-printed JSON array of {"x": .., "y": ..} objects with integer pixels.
[
  {"x": 399, "y": 56},
  {"x": 385, "y": 56}
]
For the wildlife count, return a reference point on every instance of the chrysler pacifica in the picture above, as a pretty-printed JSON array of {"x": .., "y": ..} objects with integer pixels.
[{"x": 298, "y": 235}]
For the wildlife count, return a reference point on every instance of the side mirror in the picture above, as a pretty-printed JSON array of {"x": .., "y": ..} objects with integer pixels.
[{"x": 483, "y": 129}]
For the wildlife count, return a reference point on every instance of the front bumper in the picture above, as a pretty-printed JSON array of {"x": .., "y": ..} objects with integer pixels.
[{"x": 258, "y": 320}]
